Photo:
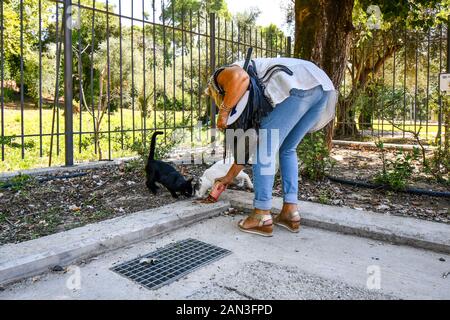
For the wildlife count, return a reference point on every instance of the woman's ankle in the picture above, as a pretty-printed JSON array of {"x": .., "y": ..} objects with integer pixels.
[
  {"x": 260, "y": 211},
  {"x": 289, "y": 208}
]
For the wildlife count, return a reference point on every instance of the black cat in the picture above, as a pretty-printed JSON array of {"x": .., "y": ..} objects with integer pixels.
[{"x": 165, "y": 174}]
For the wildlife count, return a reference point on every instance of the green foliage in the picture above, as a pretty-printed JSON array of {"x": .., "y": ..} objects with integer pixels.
[
  {"x": 324, "y": 197},
  {"x": 439, "y": 165},
  {"x": 395, "y": 173},
  {"x": 17, "y": 182},
  {"x": 315, "y": 156},
  {"x": 9, "y": 95},
  {"x": 177, "y": 7},
  {"x": 414, "y": 14},
  {"x": 164, "y": 144},
  {"x": 133, "y": 165},
  {"x": 162, "y": 149},
  {"x": 247, "y": 18},
  {"x": 11, "y": 142},
  {"x": 13, "y": 52}
]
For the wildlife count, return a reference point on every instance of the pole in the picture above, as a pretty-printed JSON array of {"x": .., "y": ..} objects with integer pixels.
[
  {"x": 212, "y": 56},
  {"x": 289, "y": 46},
  {"x": 68, "y": 83},
  {"x": 448, "y": 44}
]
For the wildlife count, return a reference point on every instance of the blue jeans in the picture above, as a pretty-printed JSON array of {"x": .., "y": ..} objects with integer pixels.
[{"x": 284, "y": 128}]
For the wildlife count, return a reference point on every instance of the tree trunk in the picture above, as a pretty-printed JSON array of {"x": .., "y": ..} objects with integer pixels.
[
  {"x": 322, "y": 35},
  {"x": 346, "y": 117}
]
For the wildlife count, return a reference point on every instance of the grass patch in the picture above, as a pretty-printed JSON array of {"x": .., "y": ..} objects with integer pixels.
[{"x": 37, "y": 150}]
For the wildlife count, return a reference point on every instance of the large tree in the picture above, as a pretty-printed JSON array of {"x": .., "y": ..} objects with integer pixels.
[
  {"x": 322, "y": 35},
  {"x": 378, "y": 27}
]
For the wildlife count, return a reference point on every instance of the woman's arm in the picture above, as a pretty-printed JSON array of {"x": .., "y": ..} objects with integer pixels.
[
  {"x": 231, "y": 174},
  {"x": 234, "y": 81}
]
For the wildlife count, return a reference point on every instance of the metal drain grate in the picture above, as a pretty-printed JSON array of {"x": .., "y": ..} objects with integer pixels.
[{"x": 170, "y": 263}]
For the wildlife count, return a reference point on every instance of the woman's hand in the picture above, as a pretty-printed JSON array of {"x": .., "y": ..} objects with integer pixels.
[
  {"x": 222, "y": 120},
  {"x": 232, "y": 173},
  {"x": 226, "y": 180}
]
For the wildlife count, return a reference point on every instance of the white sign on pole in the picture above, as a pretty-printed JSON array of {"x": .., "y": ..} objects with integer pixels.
[{"x": 444, "y": 82}]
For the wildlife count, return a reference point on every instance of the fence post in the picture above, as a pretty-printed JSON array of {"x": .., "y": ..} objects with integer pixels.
[
  {"x": 289, "y": 46},
  {"x": 445, "y": 117},
  {"x": 68, "y": 84},
  {"x": 212, "y": 57},
  {"x": 448, "y": 44},
  {"x": 440, "y": 115}
]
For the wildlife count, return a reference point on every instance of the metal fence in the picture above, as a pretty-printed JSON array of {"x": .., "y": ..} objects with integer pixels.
[
  {"x": 391, "y": 85},
  {"x": 136, "y": 66}
]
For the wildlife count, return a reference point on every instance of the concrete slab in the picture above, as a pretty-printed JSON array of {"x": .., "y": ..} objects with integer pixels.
[
  {"x": 266, "y": 280},
  {"x": 399, "y": 230},
  {"x": 29, "y": 258},
  {"x": 258, "y": 267}
]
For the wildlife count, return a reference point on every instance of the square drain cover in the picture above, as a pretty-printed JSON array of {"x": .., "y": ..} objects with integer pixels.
[{"x": 169, "y": 263}]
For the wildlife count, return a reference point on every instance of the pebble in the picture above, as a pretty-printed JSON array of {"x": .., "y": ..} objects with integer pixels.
[
  {"x": 148, "y": 261},
  {"x": 442, "y": 259},
  {"x": 57, "y": 268}
]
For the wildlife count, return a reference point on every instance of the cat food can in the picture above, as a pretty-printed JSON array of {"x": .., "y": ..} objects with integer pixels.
[{"x": 217, "y": 190}]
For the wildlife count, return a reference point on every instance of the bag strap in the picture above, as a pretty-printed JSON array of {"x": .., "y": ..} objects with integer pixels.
[
  {"x": 274, "y": 69},
  {"x": 247, "y": 58}
]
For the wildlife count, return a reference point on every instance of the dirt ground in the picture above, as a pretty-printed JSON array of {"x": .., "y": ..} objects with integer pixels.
[{"x": 41, "y": 208}]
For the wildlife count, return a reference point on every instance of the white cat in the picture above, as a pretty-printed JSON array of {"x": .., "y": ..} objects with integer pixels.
[{"x": 218, "y": 170}]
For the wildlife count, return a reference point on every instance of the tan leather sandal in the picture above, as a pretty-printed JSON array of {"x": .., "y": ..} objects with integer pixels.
[
  {"x": 292, "y": 223},
  {"x": 263, "y": 228}
]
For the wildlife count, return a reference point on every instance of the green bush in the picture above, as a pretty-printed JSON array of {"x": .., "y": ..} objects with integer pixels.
[
  {"x": 10, "y": 142},
  {"x": 315, "y": 156},
  {"x": 395, "y": 173},
  {"x": 9, "y": 95},
  {"x": 440, "y": 165}
]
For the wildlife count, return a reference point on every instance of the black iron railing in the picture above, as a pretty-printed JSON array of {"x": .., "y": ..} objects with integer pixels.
[
  {"x": 142, "y": 65},
  {"x": 137, "y": 66}
]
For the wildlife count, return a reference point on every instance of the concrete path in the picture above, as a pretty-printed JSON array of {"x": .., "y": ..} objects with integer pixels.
[
  {"x": 314, "y": 264},
  {"x": 30, "y": 258},
  {"x": 399, "y": 230}
]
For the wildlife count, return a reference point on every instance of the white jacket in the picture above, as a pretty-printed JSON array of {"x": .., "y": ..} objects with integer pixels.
[{"x": 306, "y": 76}]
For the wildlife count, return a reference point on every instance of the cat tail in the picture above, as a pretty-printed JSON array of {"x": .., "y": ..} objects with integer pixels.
[{"x": 151, "y": 155}]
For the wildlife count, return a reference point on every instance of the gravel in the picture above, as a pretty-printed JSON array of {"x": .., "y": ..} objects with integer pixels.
[{"x": 41, "y": 208}]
